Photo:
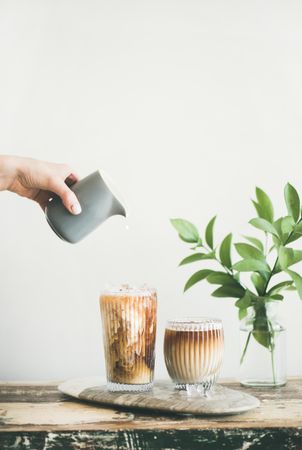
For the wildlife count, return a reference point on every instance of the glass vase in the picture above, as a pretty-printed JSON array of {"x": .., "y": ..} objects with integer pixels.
[{"x": 262, "y": 347}]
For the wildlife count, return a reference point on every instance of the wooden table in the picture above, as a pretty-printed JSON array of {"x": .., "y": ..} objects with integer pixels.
[{"x": 37, "y": 416}]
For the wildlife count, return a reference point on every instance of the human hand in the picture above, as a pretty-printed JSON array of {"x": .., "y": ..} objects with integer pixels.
[{"x": 39, "y": 180}]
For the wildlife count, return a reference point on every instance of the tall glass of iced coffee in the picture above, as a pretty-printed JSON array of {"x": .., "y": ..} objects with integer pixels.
[{"x": 129, "y": 329}]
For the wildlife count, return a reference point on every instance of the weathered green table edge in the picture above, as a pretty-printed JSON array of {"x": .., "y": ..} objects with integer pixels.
[{"x": 37, "y": 416}]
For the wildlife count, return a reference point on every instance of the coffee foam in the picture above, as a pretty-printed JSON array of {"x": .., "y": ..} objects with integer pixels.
[
  {"x": 194, "y": 324},
  {"x": 128, "y": 290}
]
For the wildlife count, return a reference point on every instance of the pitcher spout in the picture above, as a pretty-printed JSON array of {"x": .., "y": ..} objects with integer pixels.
[{"x": 118, "y": 209}]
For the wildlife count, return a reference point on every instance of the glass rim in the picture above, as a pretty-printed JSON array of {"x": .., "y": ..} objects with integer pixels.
[
  {"x": 198, "y": 321},
  {"x": 125, "y": 289}
]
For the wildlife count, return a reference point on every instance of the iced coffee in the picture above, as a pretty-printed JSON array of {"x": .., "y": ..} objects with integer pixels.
[
  {"x": 129, "y": 329},
  {"x": 193, "y": 350}
]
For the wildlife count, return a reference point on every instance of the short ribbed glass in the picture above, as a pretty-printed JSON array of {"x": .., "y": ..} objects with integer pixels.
[
  {"x": 129, "y": 329},
  {"x": 193, "y": 350}
]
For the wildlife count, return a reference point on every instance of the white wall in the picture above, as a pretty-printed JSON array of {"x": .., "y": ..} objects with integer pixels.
[{"x": 187, "y": 105}]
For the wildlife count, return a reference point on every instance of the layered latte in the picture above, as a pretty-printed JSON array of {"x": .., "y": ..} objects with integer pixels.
[{"x": 193, "y": 350}]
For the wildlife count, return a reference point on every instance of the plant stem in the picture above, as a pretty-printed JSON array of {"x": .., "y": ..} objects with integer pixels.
[
  {"x": 245, "y": 347},
  {"x": 273, "y": 363},
  {"x": 266, "y": 245},
  {"x": 272, "y": 340}
]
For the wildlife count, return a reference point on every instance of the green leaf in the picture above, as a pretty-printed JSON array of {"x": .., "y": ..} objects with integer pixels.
[
  {"x": 277, "y": 241},
  {"x": 256, "y": 242},
  {"x": 261, "y": 331},
  {"x": 259, "y": 282},
  {"x": 296, "y": 234},
  {"x": 294, "y": 237},
  {"x": 287, "y": 224},
  {"x": 228, "y": 291},
  {"x": 279, "y": 287},
  {"x": 222, "y": 278},
  {"x": 291, "y": 288},
  {"x": 225, "y": 251},
  {"x": 249, "y": 251},
  {"x": 251, "y": 265},
  {"x": 286, "y": 256},
  {"x": 263, "y": 225},
  {"x": 242, "y": 313},
  {"x": 265, "y": 208},
  {"x": 265, "y": 275},
  {"x": 186, "y": 230},
  {"x": 209, "y": 233},
  {"x": 196, "y": 257},
  {"x": 284, "y": 227},
  {"x": 196, "y": 277},
  {"x": 245, "y": 301},
  {"x": 257, "y": 208},
  {"x": 298, "y": 228},
  {"x": 292, "y": 201},
  {"x": 297, "y": 279},
  {"x": 297, "y": 257},
  {"x": 278, "y": 227},
  {"x": 276, "y": 297},
  {"x": 263, "y": 337},
  {"x": 199, "y": 243}
]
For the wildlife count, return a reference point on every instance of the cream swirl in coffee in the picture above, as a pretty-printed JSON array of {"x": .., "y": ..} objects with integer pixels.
[
  {"x": 129, "y": 328},
  {"x": 193, "y": 350}
]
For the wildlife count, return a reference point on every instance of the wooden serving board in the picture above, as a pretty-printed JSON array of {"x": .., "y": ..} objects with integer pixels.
[{"x": 163, "y": 397}]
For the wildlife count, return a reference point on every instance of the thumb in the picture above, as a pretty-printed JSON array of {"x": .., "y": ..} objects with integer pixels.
[{"x": 68, "y": 197}]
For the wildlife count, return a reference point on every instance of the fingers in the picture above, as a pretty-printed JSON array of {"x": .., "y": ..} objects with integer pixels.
[
  {"x": 64, "y": 178},
  {"x": 71, "y": 179},
  {"x": 68, "y": 197},
  {"x": 67, "y": 173}
]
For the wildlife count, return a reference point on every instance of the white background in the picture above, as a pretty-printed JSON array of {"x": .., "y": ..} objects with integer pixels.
[{"x": 187, "y": 105}]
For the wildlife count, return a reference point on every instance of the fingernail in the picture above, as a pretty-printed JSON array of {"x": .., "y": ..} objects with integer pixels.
[{"x": 76, "y": 208}]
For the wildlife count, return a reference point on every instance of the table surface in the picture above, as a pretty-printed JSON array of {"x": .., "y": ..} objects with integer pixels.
[{"x": 34, "y": 416}]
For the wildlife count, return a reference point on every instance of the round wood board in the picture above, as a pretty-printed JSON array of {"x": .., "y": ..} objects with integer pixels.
[{"x": 163, "y": 397}]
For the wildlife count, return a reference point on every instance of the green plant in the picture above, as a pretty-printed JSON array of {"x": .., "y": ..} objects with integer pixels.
[{"x": 256, "y": 259}]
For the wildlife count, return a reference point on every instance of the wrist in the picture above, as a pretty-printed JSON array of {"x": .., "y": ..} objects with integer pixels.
[{"x": 9, "y": 170}]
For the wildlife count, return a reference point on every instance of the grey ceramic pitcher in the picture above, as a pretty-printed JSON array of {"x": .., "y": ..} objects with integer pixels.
[{"x": 97, "y": 202}]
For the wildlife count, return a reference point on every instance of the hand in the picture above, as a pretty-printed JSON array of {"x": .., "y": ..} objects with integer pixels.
[{"x": 39, "y": 180}]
